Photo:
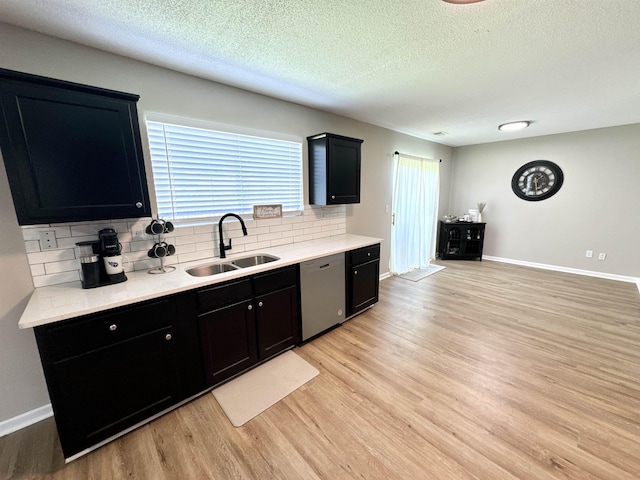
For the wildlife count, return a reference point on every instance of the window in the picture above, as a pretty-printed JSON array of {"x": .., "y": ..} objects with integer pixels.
[{"x": 200, "y": 174}]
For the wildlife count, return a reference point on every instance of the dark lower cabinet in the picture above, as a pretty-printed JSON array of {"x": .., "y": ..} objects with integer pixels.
[
  {"x": 245, "y": 322},
  {"x": 114, "y": 388},
  {"x": 228, "y": 341},
  {"x": 277, "y": 321},
  {"x": 110, "y": 371},
  {"x": 363, "y": 278}
]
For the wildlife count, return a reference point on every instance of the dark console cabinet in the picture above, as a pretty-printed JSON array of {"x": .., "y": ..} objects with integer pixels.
[
  {"x": 72, "y": 152},
  {"x": 463, "y": 241},
  {"x": 107, "y": 372},
  {"x": 363, "y": 278},
  {"x": 334, "y": 169}
]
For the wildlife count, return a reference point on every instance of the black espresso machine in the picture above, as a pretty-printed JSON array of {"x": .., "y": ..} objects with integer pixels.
[{"x": 101, "y": 260}]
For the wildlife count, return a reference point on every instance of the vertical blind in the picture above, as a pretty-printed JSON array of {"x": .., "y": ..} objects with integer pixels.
[{"x": 202, "y": 174}]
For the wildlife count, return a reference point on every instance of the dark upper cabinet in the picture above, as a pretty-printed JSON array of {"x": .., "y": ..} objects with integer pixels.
[
  {"x": 72, "y": 152},
  {"x": 334, "y": 169}
]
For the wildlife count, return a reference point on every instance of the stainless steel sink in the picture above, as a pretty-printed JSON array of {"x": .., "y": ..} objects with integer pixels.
[
  {"x": 237, "y": 264},
  {"x": 254, "y": 260},
  {"x": 211, "y": 269}
]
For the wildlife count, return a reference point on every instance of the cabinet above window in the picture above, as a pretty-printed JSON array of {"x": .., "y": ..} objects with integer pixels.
[{"x": 72, "y": 152}]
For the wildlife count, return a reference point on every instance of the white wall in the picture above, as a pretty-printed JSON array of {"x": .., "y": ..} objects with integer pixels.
[
  {"x": 597, "y": 208},
  {"x": 169, "y": 92},
  {"x": 22, "y": 386}
]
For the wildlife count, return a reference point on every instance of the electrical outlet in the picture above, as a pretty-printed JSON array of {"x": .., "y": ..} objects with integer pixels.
[
  {"x": 602, "y": 256},
  {"x": 48, "y": 240},
  {"x": 589, "y": 254}
]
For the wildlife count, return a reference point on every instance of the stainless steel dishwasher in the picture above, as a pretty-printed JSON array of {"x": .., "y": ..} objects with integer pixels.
[{"x": 323, "y": 294}]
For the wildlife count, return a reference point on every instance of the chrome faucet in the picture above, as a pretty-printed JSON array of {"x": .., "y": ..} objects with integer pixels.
[{"x": 223, "y": 247}]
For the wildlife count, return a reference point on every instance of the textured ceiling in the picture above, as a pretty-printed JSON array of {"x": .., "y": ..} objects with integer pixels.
[{"x": 415, "y": 66}]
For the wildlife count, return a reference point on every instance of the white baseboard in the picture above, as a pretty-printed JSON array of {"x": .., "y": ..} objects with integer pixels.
[
  {"x": 576, "y": 271},
  {"x": 388, "y": 274},
  {"x": 25, "y": 419}
]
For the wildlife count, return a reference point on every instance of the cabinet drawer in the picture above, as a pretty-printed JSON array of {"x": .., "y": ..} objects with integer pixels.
[
  {"x": 224, "y": 295},
  {"x": 365, "y": 254},
  {"x": 275, "y": 280},
  {"x": 82, "y": 335}
]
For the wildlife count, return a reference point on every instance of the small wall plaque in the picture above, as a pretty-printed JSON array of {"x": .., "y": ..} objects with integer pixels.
[{"x": 267, "y": 211}]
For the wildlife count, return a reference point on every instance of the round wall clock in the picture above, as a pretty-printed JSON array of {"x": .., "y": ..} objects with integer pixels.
[{"x": 537, "y": 180}]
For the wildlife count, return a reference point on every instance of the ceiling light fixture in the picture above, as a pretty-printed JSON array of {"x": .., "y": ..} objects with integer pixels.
[
  {"x": 462, "y": 1},
  {"x": 511, "y": 126}
]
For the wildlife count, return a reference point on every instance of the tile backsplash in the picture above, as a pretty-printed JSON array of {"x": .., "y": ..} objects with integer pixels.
[{"x": 60, "y": 265}]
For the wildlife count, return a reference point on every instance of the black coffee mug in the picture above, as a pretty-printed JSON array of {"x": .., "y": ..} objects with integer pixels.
[
  {"x": 158, "y": 250},
  {"x": 156, "y": 227},
  {"x": 161, "y": 249}
]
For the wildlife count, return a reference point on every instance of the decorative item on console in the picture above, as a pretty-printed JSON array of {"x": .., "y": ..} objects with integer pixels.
[
  {"x": 101, "y": 261},
  {"x": 161, "y": 249},
  {"x": 481, "y": 206}
]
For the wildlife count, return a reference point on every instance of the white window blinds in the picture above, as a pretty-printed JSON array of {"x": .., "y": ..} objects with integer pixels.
[{"x": 201, "y": 174}]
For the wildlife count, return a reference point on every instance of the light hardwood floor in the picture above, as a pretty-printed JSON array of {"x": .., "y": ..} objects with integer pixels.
[{"x": 481, "y": 371}]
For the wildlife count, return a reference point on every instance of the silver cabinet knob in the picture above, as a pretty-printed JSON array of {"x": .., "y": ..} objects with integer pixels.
[
  {"x": 168, "y": 336},
  {"x": 355, "y": 272},
  {"x": 113, "y": 327},
  {"x": 368, "y": 254},
  {"x": 250, "y": 307},
  {"x": 139, "y": 204},
  {"x": 333, "y": 197},
  {"x": 259, "y": 304}
]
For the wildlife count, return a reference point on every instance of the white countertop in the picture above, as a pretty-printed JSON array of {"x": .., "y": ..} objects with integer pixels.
[{"x": 60, "y": 302}]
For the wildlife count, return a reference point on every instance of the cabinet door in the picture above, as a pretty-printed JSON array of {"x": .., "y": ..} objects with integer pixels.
[
  {"x": 72, "y": 152},
  {"x": 343, "y": 183},
  {"x": 473, "y": 241},
  {"x": 453, "y": 241},
  {"x": 228, "y": 340},
  {"x": 334, "y": 169},
  {"x": 362, "y": 286},
  {"x": 100, "y": 393},
  {"x": 277, "y": 321}
]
